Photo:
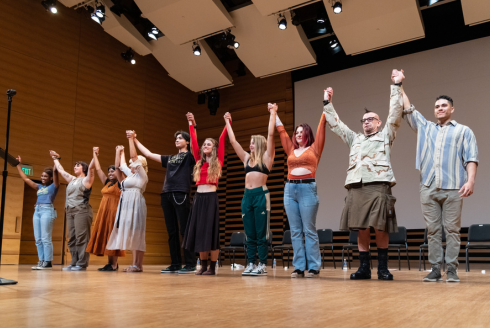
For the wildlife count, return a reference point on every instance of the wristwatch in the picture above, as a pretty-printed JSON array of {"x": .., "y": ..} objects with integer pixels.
[
  {"x": 326, "y": 102},
  {"x": 398, "y": 84}
]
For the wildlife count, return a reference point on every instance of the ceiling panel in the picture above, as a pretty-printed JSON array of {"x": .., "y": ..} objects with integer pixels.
[
  {"x": 368, "y": 25},
  {"x": 185, "y": 20},
  {"x": 197, "y": 73},
  {"x": 267, "y": 7},
  {"x": 70, "y": 3},
  {"x": 267, "y": 50},
  {"x": 476, "y": 11}
]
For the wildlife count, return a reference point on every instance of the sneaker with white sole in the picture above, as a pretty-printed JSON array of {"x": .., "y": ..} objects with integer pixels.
[
  {"x": 39, "y": 264},
  {"x": 297, "y": 273},
  {"x": 260, "y": 270},
  {"x": 434, "y": 275},
  {"x": 248, "y": 270},
  {"x": 68, "y": 268},
  {"x": 46, "y": 266},
  {"x": 312, "y": 273},
  {"x": 451, "y": 275}
]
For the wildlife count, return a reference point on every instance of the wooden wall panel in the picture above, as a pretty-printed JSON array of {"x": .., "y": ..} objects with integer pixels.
[{"x": 12, "y": 225}]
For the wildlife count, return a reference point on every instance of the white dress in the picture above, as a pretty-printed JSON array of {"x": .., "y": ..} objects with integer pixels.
[{"x": 130, "y": 226}]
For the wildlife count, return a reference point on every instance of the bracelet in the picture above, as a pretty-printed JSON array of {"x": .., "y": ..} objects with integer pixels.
[
  {"x": 326, "y": 102},
  {"x": 398, "y": 84},
  {"x": 54, "y": 157}
]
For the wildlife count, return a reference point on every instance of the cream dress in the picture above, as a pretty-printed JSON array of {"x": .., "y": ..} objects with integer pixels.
[{"x": 130, "y": 226}]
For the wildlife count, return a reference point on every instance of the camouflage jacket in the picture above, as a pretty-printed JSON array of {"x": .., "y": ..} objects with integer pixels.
[{"x": 369, "y": 157}]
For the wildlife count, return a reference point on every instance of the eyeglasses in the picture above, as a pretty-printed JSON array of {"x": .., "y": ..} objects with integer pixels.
[{"x": 369, "y": 119}]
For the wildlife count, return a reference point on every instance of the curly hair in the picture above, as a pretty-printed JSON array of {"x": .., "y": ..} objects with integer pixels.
[{"x": 214, "y": 169}]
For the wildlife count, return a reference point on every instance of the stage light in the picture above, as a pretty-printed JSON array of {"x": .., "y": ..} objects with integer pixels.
[
  {"x": 337, "y": 7},
  {"x": 128, "y": 56},
  {"x": 100, "y": 11},
  {"x": 230, "y": 41},
  {"x": 236, "y": 45},
  {"x": 320, "y": 18},
  {"x": 154, "y": 30},
  {"x": 213, "y": 101},
  {"x": 50, "y": 5},
  {"x": 97, "y": 19},
  {"x": 196, "y": 49},
  {"x": 283, "y": 23},
  {"x": 334, "y": 43}
]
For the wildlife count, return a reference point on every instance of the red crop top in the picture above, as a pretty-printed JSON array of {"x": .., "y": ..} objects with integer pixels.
[
  {"x": 310, "y": 158},
  {"x": 196, "y": 151}
]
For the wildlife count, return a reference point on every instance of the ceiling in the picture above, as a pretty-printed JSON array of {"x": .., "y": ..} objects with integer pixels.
[{"x": 362, "y": 30}]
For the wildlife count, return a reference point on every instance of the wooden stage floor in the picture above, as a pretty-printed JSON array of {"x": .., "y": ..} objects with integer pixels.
[{"x": 151, "y": 299}]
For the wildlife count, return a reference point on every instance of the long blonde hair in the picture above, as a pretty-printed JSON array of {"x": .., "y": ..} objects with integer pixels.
[
  {"x": 214, "y": 169},
  {"x": 256, "y": 157},
  {"x": 143, "y": 161}
]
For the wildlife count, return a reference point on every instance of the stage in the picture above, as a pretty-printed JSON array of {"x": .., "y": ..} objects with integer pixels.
[{"x": 150, "y": 299}]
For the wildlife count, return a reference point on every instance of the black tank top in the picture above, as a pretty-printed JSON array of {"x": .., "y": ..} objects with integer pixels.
[{"x": 264, "y": 170}]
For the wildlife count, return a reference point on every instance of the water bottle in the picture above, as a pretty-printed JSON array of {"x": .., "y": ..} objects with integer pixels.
[
  {"x": 217, "y": 264},
  {"x": 274, "y": 264},
  {"x": 344, "y": 267},
  {"x": 198, "y": 264}
]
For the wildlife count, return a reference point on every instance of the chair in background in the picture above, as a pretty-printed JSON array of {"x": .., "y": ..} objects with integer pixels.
[
  {"x": 238, "y": 242},
  {"x": 477, "y": 233},
  {"x": 399, "y": 240},
  {"x": 287, "y": 244},
  {"x": 351, "y": 246},
  {"x": 425, "y": 246},
  {"x": 325, "y": 239},
  {"x": 270, "y": 249}
]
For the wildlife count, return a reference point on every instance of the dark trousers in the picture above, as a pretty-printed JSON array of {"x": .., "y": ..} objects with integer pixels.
[{"x": 176, "y": 207}]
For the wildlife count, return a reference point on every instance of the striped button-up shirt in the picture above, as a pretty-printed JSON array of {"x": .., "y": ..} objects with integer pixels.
[{"x": 442, "y": 151}]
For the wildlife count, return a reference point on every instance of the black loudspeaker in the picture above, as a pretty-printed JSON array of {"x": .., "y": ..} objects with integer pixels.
[
  {"x": 201, "y": 99},
  {"x": 213, "y": 102}
]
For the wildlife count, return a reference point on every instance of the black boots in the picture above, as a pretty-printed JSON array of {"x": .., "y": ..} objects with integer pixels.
[
  {"x": 212, "y": 269},
  {"x": 364, "y": 271},
  {"x": 383, "y": 272},
  {"x": 204, "y": 267}
]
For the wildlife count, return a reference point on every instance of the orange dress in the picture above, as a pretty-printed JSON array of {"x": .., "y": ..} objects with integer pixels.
[{"x": 104, "y": 223}]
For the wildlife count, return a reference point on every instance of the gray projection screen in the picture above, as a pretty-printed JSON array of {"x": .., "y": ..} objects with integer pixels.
[{"x": 461, "y": 71}]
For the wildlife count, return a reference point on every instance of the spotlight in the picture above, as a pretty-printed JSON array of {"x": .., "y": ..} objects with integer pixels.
[
  {"x": 337, "y": 7},
  {"x": 97, "y": 19},
  {"x": 320, "y": 18},
  {"x": 196, "y": 49},
  {"x": 213, "y": 102},
  {"x": 154, "y": 30},
  {"x": 50, "y": 5},
  {"x": 129, "y": 56},
  {"x": 283, "y": 23},
  {"x": 230, "y": 41},
  {"x": 236, "y": 45},
  {"x": 334, "y": 43},
  {"x": 100, "y": 11}
]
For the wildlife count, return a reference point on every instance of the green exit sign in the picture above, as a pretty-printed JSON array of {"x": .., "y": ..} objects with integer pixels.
[{"x": 27, "y": 169}]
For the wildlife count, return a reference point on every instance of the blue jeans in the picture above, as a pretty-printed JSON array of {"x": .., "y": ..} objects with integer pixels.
[
  {"x": 43, "y": 220},
  {"x": 301, "y": 203}
]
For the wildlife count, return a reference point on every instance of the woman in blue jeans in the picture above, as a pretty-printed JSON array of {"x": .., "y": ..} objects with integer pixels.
[
  {"x": 44, "y": 214},
  {"x": 300, "y": 195}
]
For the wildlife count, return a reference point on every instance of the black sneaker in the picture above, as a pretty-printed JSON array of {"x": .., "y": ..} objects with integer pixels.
[
  {"x": 187, "y": 269},
  {"x": 46, "y": 266},
  {"x": 107, "y": 266},
  {"x": 297, "y": 273},
  {"x": 172, "y": 269}
]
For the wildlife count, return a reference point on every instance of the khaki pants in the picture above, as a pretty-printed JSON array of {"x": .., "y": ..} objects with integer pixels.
[
  {"x": 442, "y": 210},
  {"x": 78, "y": 222}
]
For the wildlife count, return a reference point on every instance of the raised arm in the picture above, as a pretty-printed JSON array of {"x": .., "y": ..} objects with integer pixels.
[
  {"x": 24, "y": 177},
  {"x": 196, "y": 152},
  {"x": 88, "y": 181},
  {"x": 332, "y": 118},
  {"x": 132, "y": 149},
  {"x": 221, "y": 146},
  {"x": 56, "y": 158},
  {"x": 98, "y": 169},
  {"x": 396, "y": 105},
  {"x": 56, "y": 178},
  {"x": 144, "y": 150},
  {"x": 268, "y": 157},
  {"x": 117, "y": 163},
  {"x": 286, "y": 142},
  {"x": 242, "y": 154}
]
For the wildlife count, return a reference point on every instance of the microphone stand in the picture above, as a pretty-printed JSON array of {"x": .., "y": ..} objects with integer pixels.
[{"x": 10, "y": 94}]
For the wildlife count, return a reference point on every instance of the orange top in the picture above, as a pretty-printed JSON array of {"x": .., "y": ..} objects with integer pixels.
[{"x": 310, "y": 158}]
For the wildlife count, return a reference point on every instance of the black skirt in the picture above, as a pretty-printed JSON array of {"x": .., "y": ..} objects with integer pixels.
[{"x": 202, "y": 232}]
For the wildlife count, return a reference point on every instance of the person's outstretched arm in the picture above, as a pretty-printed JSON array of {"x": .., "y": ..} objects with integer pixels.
[
  {"x": 132, "y": 149},
  {"x": 56, "y": 158},
  {"x": 144, "y": 150},
  {"x": 395, "y": 114},
  {"x": 24, "y": 177},
  {"x": 56, "y": 178},
  {"x": 98, "y": 169},
  {"x": 286, "y": 142},
  {"x": 196, "y": 152},
  {"x": 221, "y": 146},
  {"x": 336, "y": 125},
  {"x": 88, "y": 181},
  {"x": 271, "y": 145},
  {"x": 242, "y": 154},
  {"x": 117, "y": 163}
]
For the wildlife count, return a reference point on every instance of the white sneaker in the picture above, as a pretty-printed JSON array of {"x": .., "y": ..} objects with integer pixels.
[
  {"x": 38, "y": 266},
  {"x": 248, "y": 270},
  {"x": 260, "y": 270}
]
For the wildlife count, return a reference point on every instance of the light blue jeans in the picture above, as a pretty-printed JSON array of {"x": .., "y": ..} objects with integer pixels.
[
  {"x": 301, "y": 203},
  {"x": 43, "y": 220}
]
